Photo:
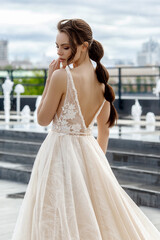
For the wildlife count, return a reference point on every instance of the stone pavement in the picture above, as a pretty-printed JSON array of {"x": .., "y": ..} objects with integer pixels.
[{"x": 9, "y": 208}]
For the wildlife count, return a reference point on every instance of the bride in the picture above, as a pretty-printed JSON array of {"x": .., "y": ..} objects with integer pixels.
[{"x": 72, "y": 193}]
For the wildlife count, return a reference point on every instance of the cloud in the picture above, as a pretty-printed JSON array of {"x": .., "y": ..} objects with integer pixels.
[{"x": 121, "y": 25}]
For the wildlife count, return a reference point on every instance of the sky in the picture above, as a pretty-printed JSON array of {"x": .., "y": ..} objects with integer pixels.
[{"x": 120, "y": 25}]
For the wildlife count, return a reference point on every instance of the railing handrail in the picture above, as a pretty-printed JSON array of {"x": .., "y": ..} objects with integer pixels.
[
  {"x": 120, "y": 74},
  {"x": 108, "y": 67}
]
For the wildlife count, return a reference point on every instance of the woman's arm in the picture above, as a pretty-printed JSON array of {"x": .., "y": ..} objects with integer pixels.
[
  {"x": 53, "y": 91},
  {"x": 54, "y": 65},
  {"x": 103, "y": 128}
]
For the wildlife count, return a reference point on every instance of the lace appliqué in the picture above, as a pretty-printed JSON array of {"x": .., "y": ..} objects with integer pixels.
[{"x": 68, "y": 113}]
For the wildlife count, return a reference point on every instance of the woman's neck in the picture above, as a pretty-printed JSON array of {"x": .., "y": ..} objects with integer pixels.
[{"x": 84, "y": 59}]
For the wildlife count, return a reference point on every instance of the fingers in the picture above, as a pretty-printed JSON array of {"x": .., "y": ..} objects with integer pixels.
[
  {"x": 52, "y": 62},
  {"x": 58, "y": 63},
  {"x": 55, "y": 64}
]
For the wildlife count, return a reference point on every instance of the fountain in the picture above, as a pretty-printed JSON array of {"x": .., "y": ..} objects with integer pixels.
[
  {"x": 35, "y": 113},
  {"x": 156, "y": 90},
  {"x": 150, "y": 122},
  {"x": 136, "y": 112},
  {"x": 18, "y": 89},
  {"x": 25, "y": 119},
  {"x": 7, "y": 88}
]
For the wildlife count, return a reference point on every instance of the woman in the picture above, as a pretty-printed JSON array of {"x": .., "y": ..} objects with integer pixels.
[{"x": 72, "y": 193}]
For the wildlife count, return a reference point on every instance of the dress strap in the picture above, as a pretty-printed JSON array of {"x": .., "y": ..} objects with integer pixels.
[
  {"x": 73, "y": 92},
  {"x": 97, "y": 113},
  {"x": 99, "y": 110},
  {"x": 67, "y": 70},
  {"x": 70, "y": 80}
]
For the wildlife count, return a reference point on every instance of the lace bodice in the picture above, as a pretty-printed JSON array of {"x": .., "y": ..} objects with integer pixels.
[{"x": 71, "y": 120}]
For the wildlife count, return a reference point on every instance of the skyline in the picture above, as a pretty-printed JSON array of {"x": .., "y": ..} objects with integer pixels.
[{"x": 121, "y": 26}]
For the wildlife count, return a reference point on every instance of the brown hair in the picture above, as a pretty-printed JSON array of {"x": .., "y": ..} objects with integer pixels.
[{"x": 78, "y": 32}]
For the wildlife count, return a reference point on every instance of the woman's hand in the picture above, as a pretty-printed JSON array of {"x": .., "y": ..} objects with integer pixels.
[{"x": 54, "y": 65}]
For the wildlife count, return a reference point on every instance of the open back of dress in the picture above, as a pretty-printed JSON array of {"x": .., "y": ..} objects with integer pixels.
[{"x": 71, "y": 120}]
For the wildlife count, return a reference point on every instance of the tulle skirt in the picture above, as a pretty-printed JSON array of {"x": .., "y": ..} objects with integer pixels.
[{"x": 73, "y": 195}]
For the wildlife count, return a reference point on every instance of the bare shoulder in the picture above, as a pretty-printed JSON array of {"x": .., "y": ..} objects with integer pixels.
[
  {"x": 58, "y": 80},
  {"x": 59, "y": 74}
]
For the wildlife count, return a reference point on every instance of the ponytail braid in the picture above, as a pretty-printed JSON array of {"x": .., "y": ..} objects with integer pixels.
[{"x": 96, "y": 52}]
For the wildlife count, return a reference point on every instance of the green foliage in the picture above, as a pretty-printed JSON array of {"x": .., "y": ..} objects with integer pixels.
[
  {"x": 152, "y": 79},
  {"x": 7, "y": 67},
  {"x": 1, "y": 82},
  {"x": 138, "y": 81},
  {"x": 124, "y": 89},
  {"x": 33, "y": 85}
]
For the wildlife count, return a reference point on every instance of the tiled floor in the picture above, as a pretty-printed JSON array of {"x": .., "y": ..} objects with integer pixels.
[{"x": 9, "y": 208}]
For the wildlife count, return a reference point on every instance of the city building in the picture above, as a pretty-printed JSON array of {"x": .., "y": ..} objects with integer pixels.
[
  {"x": 149, "y": 54},
  {"x": 112, "y": 62},
  {"x": 3, "y": 53},
  {"x": 25, "y": 64}
]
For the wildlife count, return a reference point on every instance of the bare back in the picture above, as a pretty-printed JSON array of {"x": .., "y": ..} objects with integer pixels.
[{"x": 90, "y": 92}]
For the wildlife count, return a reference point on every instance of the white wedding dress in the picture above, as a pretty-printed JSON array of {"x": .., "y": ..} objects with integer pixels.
[{"x": 72, "y": 193}]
